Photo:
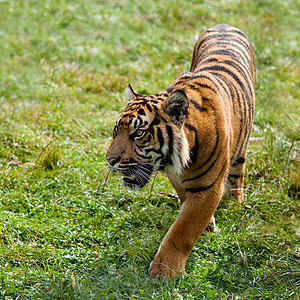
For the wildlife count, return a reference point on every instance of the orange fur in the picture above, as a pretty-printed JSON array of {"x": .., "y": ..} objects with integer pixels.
[{"x": 197, "y": 131}]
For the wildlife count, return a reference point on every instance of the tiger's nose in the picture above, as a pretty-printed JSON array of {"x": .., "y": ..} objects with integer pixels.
[{"x": 113, "y": 160}]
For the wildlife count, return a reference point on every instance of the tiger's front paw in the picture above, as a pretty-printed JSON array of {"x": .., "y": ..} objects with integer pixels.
[{"x": 167, "y": 266}]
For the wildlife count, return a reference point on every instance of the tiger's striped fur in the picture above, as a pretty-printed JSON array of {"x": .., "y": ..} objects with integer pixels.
[{"x": 197, "y": 131}]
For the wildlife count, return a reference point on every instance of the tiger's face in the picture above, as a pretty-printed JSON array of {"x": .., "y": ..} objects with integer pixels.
[{"x": 148, "y": 137}]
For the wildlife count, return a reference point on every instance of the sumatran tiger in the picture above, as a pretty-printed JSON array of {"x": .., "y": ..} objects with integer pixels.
[{"x": 197, "y": 132}]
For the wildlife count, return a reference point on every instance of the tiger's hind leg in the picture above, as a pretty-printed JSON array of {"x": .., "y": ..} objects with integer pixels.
[{"x": 235, "y": 180}]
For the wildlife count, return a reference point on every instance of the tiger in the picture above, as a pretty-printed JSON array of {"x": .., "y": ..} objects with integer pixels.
[{"x": 197, "y": 132}]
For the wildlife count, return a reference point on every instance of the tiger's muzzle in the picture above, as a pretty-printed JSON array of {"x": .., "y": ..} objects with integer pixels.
[{"x": 135, "y": 175}]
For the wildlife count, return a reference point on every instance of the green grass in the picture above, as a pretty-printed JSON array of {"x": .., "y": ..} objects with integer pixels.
[{"x": 68, "y": 229}]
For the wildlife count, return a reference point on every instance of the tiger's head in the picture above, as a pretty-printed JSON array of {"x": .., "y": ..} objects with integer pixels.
[{"x": 148, "y": 136}]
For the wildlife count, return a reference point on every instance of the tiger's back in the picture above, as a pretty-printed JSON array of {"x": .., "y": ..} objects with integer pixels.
[
  {"x": 221, "y": 89},
  {"x": 197, "y": 131}
]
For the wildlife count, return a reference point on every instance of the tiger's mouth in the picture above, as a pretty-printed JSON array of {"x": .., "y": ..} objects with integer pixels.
[
  {"x": 137, "y": 177},
  {"x": 132, "y": 183}
]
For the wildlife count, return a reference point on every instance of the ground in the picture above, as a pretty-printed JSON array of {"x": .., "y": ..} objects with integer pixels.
[{"x": 68, "y": 229}]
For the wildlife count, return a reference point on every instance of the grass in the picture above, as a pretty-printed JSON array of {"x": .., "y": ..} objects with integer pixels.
[{"x": 68, "y": 229}]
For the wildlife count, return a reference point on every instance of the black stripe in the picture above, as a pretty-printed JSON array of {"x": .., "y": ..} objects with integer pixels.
[
  {"x": 170, "y": 136},
  {"x": 223, "y": 87},
  {"x": 197, "y": 86},
  {"x": 205, "y": 188},
  {"x": 141, "y": 112},
  {"x": 198, "y": 106},
  {"x": 235, "y": 176},
  {"x": 155, "y": 121},
  {"x": 214, "y": 149},
  {"x": 149, "y": 107},
  {"x": 160, "y": 138},
  {"x": 242, "y": 69},
  {"x": 155, "y": 101},
  {"x": 206, "y": 171},
  {"x": 203, "y": 85},
  {"x": 209, "y": 60},
  {"x": 241, "y": 160},
  {"x": 238, "y": 32},
  {"x": 183, "y": 78},
  {"x": 194, "y": 151}
]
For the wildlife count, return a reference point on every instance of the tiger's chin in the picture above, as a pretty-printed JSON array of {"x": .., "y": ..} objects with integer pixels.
[
  {"x": 135, "y": 177},
  {"x": 132, "y": 183}
]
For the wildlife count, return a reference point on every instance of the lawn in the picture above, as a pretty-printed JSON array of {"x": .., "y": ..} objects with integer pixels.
[{"x": 68, "y": 228}]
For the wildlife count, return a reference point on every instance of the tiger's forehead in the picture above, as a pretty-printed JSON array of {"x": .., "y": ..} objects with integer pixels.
[
  {"x": 140, "y": 112},
  {"x": 134, "y": 118}
]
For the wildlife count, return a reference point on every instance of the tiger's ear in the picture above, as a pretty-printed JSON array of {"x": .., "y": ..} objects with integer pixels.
[
  {"x": 176, "y": 105},
  {"x": 130, "y": 93}
]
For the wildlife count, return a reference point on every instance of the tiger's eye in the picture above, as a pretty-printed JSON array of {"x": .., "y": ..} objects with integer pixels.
[{"x": 139, "y": 132}]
